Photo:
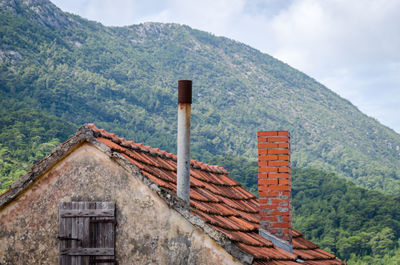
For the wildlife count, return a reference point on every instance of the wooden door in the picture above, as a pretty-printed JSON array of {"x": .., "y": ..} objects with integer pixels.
[{"x": 87, "y": 233}]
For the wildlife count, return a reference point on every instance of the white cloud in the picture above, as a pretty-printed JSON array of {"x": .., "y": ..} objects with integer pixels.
[
  {"x": 209, "y": 15},
  {"x": 350, "y": 46},
  {"x": 121, "y": 10},
  {"x": 345, "y": 32}
]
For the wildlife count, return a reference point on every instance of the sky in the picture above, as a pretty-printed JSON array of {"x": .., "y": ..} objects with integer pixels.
[{"x": 350, "y": 46}]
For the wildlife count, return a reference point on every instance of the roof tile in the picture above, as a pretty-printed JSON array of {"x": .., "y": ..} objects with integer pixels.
[{"x": 219, "y": 200}]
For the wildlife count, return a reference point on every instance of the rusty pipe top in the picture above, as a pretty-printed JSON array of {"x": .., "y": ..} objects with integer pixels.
[{"x": 185, "y": 91}]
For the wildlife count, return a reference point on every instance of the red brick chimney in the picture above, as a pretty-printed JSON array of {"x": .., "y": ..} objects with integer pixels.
[{"x": 274, "y": 187}]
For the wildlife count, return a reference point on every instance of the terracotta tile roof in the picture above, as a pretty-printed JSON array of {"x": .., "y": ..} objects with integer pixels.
[{"x": 219, "y": 200}]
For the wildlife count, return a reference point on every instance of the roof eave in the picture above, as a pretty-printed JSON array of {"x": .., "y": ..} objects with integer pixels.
[{"x": 84, "y": 134}]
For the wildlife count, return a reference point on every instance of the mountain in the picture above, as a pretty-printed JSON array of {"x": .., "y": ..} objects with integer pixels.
[{"x": 59, "y": 67}]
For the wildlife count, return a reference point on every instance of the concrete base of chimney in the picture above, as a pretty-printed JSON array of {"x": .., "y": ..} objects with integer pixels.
[{"x": 276, "y": 241}]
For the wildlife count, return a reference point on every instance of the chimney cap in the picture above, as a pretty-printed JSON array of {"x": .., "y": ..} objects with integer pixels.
[{"x": 185, "y": 91}]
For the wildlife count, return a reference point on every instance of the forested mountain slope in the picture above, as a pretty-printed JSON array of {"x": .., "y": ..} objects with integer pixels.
[{"x": 124, "y": 79}]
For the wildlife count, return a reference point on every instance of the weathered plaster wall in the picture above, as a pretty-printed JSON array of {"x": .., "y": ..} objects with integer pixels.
[{"x": 148, "y": 231}]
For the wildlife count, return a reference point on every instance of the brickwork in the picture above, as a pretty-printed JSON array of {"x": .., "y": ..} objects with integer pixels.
[{"x": 274, "y": 183}]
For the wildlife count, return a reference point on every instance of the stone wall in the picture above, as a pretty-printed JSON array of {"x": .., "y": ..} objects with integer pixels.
[{"x": 148, "y": 230}]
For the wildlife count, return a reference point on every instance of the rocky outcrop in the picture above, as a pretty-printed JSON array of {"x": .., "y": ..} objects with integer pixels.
[{"x": 42, "y": 12}]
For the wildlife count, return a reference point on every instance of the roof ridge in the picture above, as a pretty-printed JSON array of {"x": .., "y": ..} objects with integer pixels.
[{"x": 153, "y": 151}]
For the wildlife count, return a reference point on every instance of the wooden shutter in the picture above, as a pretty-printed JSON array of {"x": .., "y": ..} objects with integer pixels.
[{"x": 87, "y": 233}]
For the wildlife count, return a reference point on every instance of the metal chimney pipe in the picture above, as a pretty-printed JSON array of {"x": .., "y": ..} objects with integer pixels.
[{"x": 184, "y": 107}]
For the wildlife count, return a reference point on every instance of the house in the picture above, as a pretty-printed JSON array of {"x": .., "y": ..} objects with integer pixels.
[{"x": 99, "y": 199}]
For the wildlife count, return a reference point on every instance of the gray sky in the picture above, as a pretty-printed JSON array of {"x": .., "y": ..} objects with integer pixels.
[{"x": 351, "y": 46}]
